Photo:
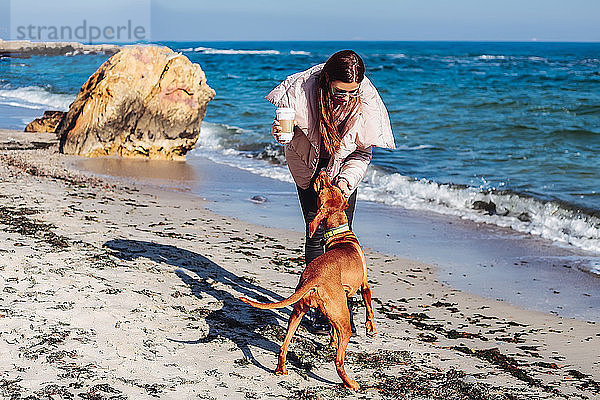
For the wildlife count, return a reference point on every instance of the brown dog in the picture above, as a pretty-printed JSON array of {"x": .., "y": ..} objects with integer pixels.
[{"x": 329, "y": 279}]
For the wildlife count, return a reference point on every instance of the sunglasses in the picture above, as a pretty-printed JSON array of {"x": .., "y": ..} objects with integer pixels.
[{"x": 340, "y": 94}]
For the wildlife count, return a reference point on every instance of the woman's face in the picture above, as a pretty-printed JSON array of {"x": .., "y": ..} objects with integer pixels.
[{"x": 343, "y": 91}]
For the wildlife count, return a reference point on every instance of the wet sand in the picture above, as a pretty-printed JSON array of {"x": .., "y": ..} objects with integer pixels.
[{"x": 112, "y": 289}]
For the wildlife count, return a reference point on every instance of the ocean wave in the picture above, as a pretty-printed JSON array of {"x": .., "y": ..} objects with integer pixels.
[
  {"x": 590, "y": 61},
  {"x": 535, "y": 58},
  {"x": 210, "y": 146},
  {"x": 503, "y": 57},
  {"x": 85, "y": 52},
  {"x": 300, "y": 53},
  {"x": 595, "y": 268},
  {"x": 492, "y": 57},
  {"x": 211, "y": 135},
  {"x": 550, "y": 220},
  {"x": 35, "y": 97},
  {"x": 210, "y": 50},
  {"x": 418, "y": 147},
  {"x": 586, "y": 109},
  {"x": 21, "y": 105}
]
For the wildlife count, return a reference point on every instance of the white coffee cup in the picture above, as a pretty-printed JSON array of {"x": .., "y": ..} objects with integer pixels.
[{"x": 285, "y": 116}]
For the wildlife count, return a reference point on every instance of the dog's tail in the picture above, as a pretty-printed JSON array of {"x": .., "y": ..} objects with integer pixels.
[{"x": 298, "y": 294}]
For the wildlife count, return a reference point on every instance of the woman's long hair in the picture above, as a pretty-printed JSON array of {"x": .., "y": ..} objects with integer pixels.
[{"x": 345, "y": 66}]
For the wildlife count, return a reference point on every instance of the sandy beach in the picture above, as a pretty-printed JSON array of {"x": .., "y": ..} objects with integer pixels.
[{"x": 116, "y": 290}]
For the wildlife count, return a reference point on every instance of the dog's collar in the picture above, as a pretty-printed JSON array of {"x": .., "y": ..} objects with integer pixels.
[{"x": 335, "y": 231}]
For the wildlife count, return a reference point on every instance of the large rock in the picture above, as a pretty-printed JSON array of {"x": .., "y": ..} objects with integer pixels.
[
  {"x": 49, "y": 122},
  {"x": 144, "y": 101}
]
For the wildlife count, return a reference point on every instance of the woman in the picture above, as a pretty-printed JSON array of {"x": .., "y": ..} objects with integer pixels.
[{"x": 339, "y": 117}]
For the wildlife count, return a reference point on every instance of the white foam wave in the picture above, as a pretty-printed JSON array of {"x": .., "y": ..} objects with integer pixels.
[
  {"x": 209, "y": 139},
  {"x": 210, "y": 50},
  {"x": 15, "y": 104},
  {"x": 519, "y": 58},
  {"x": 528, "y": 215},
  {"x": 595, "y": 268},
  {"x": 209, "y": 146},
  {"x": 77, "y": 52},
  {"x": 300, "y": 53},
  {"x": 34, "y": 97},
  {"x": 491, "y": 57},
  {"x": 418, "y": 147}
]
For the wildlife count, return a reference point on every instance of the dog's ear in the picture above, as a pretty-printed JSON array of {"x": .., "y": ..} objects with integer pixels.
[
  {"x": 339, "y": 201},
  {"x": 326, "y": 179},
  {"x": 345, "y": 204},
  {"x": 314, "y": 224},
  {"x": 321, "y": 181}
]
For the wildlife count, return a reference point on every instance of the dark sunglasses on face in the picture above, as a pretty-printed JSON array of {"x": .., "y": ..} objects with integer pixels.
[{"x": 340, "y": 94}]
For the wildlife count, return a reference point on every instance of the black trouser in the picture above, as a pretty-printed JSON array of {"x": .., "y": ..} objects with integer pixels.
[{"x": 313, "y": 247}]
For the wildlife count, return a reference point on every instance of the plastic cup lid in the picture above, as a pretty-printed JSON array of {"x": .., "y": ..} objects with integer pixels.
[{"x": 285, "y": 113}]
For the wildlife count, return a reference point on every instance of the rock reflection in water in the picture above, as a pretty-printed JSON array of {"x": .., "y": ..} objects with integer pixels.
[{"x": 140, "y": 169}]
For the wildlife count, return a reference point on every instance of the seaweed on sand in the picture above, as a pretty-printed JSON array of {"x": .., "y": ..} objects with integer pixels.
[
  {"x": 101, "y": 392},
  {"x": 418, "y": 321},
  {"x": 154, "y": 389},
  {"x": 381, "y": 359},
  {"x": 413, "y": 383},
  {"x": 507, "y": 363},
  {"x": 29, "y": 168},
  {"x": 10, "y": 388},
  {"x": 586, "y": 382},
  {"x": 17, "y": 220},
  {"x": 53, "y": 391},
  {"x": 45, "y": 344},
  {"x": 27, "y": 146},
  {"x": 288, "y": 264},
  {"x": 417, "y": 384}
]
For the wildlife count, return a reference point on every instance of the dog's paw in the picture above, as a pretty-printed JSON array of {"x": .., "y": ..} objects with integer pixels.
[
  {"x": 371, "y": 330},
  {"x": 281, "y": 371},
  {"x": 352, "y": 384}
]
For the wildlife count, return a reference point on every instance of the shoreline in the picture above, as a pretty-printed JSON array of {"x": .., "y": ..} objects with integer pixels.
[{"x": 112, "y": 288}]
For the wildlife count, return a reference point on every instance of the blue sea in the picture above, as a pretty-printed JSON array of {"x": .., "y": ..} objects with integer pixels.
[{"x": 504, "y": 134}]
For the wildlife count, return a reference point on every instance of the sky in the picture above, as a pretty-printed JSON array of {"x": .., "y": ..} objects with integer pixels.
[
  {"x": 505, "y": 20},
  {"x": 233, "y": 20}
]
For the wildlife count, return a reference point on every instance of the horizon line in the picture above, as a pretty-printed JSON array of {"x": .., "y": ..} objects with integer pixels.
[
  {"x": 382, "y": 40},
  {"x": 322, "y": 40}
]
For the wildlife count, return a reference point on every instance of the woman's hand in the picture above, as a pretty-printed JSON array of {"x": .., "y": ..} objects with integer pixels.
[
  {"x": 276, "y": 132},
  {"x": 343, "y": 185}
]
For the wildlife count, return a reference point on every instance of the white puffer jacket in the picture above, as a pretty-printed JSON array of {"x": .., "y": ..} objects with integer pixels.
[{"x": 369, "y": 127}]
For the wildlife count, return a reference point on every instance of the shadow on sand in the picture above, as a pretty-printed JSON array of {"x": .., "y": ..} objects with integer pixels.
[{"x": 236, "y": 321}]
